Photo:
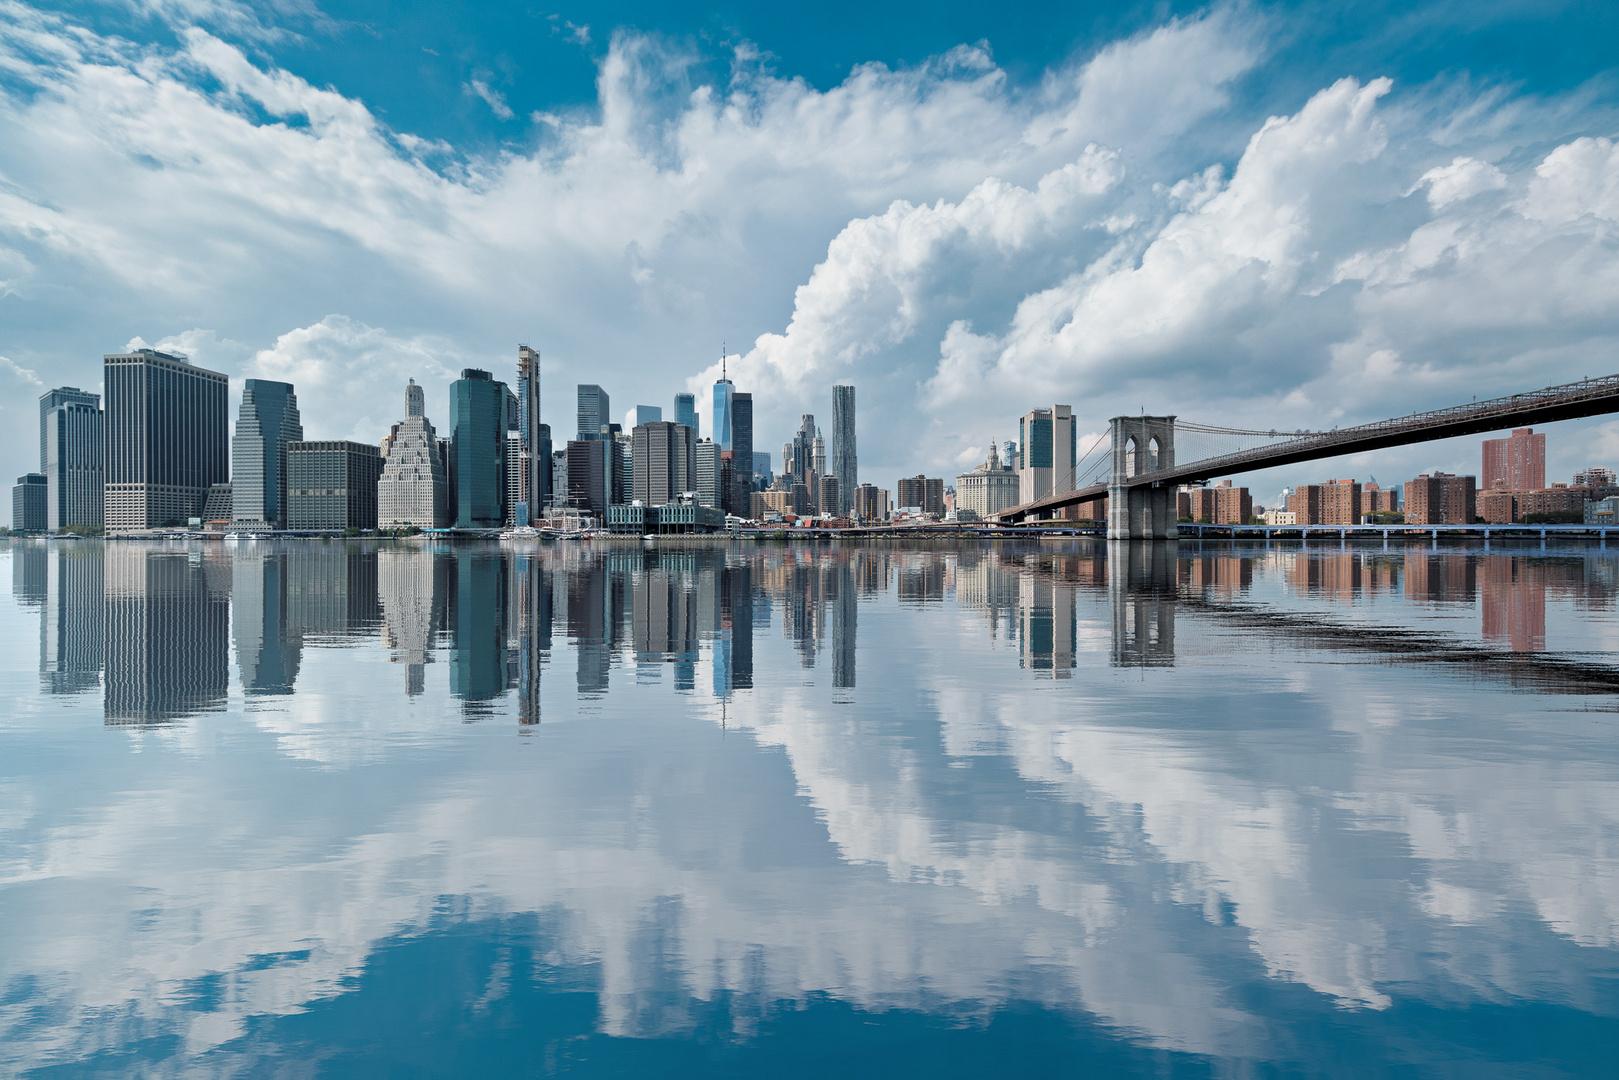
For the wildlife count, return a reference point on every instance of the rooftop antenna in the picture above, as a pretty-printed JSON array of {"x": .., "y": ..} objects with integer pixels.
[{"x": 722, "y": 360}]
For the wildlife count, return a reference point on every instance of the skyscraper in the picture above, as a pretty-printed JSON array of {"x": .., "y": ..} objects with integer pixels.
[
  {"x": 70, "y": 456},
  {"x": 1516, "y": 463},
  {"x": 1046, "y": 462},
  {"x": 166, "y": 439},
  {"x": 535, "y": 462},
  {"x": 29, "y": 512},
  {"x": 663, "y": 464},
  {"x": 723, "y": 391},
  {"x": 332, "y": 484},
  {"x": 642, "y": 414},
  {"x": 741, "y": 453},
  {"x": 595, "y": 411},
  {"x": 845, "y": 463},
  {"x": 686, "y": 412},
  {"x": 706, "y": 457},
  {"x": 411, "y": 492},
  {"x": 803, "y": 449},
  {"x": 267, "y": 422},
  {"x": 478, "y": 404}
]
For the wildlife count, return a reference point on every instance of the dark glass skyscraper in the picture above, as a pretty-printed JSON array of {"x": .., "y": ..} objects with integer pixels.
[
  {"x": 595, "y": 411},
  {"x": 478, "y": 404},
  {"x": 845, "y": 464},
  {"x": 267, "y": 422},
  {"x": 70, "y": 457},
  {"x": 741, "y": 453},
  {"x": 166, "y": 438},
  {"x": 535, "y": 481}
]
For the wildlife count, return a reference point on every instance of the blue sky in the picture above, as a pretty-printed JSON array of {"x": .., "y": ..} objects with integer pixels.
[{"x": 1254, "y": 214}]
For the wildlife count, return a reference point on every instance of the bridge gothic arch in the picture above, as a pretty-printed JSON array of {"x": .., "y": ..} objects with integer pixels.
[{"x": 1141, "y": 445}]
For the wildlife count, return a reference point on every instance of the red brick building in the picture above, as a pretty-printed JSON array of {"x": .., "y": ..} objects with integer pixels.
[
  {"x": 1441, "y": 499},
  {"x": 1516, "y": 463}
]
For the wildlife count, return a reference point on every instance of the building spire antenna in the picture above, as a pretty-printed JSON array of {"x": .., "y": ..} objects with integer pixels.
[{"x": 722, "y": 360}]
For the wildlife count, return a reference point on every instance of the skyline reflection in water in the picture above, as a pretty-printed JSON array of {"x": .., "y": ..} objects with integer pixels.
[{"x": 710, "y": 809}]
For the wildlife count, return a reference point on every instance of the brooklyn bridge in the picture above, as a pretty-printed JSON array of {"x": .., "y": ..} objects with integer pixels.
[{"x": 1147, "y": 457}]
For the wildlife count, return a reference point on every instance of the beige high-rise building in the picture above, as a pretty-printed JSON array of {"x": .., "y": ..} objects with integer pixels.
[
  {"x": 412, "y": 489},
  {"x": 1047, "y": 450}
]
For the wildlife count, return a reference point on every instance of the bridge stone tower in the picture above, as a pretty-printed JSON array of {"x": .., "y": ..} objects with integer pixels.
[{"x": 1141, "y": 444}]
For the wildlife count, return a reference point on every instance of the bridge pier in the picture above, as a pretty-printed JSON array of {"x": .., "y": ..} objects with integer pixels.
[{"x": 1141, "y": 444}]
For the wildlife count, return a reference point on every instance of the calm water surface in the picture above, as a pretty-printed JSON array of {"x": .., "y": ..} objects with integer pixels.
[{"x": 328, "y": 809}]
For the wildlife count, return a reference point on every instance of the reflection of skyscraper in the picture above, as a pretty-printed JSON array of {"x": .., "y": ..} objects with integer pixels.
[
  {"x": 736, "y": 615},
  {"x": 167, "y": 634},
  {"x": 1047, "y": 624},
  {"x": 533, "y": 611},
  {"x": 332, "y": 590},
  {"x": 70, "y": 635},
  {"x": 588, "y": 625},
  {"x": 664, "y": 616},
  {"x": 268, "y": 651},
  {"x": 478, "y": 622},
  {"x": 845, "y": 619},
  {"x": 408, "y": 583},
  {"x": 845, "y": 463},
  {"x": 30, "y": 573}
]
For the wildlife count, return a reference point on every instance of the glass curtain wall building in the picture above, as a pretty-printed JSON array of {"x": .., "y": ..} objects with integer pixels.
[
  {"x": 267, "y": 422},
  {"x": 845, "y": 463},
  {"x": 595, "y": 411},
  {"x": 166, "y": 436},
  {"x": 741, "y": 453},
  {"x": 70, "y": 457},
  {"x": 478, "y": 404},
  {"x": 686, "y": 412}
]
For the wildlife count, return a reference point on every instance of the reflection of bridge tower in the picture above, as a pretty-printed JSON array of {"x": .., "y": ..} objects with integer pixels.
[
  {"x": 1141, "y": 589},
  {"x": 1141, "y": 444}
]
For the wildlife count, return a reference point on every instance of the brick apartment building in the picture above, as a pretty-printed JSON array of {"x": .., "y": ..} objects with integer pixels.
[{"x": 1441, "y": 499}]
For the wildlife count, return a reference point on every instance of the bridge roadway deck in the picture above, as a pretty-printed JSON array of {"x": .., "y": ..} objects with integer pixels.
[{"x": 1590, "y": 397}]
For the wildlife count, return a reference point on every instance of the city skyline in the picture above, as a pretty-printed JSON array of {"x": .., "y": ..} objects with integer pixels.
[{"x": 1303, "y": 328}]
